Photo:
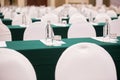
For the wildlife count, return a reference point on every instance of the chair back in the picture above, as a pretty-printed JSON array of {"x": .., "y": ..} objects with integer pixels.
[
  {"x": 115, "y": 27},
  {"x": 85, "y": 61},
  {"x": 5, "y": 34},
  {"x": 15, "y": 66},
  {"x": 78, "y": 30},
  {"x": 35, "y": 31}
]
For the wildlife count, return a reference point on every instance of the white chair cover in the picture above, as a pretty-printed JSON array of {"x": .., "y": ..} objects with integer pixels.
[
  {"x": 15, "y": 66},
  {"x": 75, "y": 18},
  {"x": 115, "y": 27},
  {"x": 85, "y": 61},
  {"x": 35, "y": 31},
  {"x": 102, "y": 17},
  {"x": 21, "y": 19},
  {"x": 111, "y": 13},
  {"x": 50, "y": 17},
  {"x": 81, "y": 30},
  {"x": 5, "y": 34}
]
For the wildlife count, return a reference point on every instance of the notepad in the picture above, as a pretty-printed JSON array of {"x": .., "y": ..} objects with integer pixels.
[
  {"x": 52, "y": 43},
  {"x": 3, "y": 44}
]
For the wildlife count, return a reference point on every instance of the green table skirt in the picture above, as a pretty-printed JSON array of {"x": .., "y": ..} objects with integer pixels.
[{"x": 44, "y": 58}]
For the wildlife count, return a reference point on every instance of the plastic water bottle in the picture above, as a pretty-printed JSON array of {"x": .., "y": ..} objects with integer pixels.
[
  {"x": 106, "y": 29},
  {"x": 49, "y": 32}
]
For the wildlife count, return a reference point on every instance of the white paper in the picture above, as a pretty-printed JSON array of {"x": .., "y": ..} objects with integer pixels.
[
  {"x": 3, "y": 44},
  {"x": 94, "y": 23},
  {"x": 23, "y": 25},
  {"x": 60, "y": 24},
  {"x": 102, "y": 39},
  {"x": 52, "y": 43}
]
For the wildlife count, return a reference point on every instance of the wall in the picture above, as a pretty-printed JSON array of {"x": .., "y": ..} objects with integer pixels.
[
  {"x": 59, "y": 2},
  {"x": 115, "y": 2},
  {"x": 77, "y": 1}
]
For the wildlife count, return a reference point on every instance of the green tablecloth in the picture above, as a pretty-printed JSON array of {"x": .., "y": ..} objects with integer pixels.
[
  {"x": 44, "y": 58},
  {"x": 63, "y": 30},
  {"x": 1, "y": 13},
  {"x": 35, "y": 20},
  {"x": 7, "y": 21},
  {"x": 17, "y": 31},
  {"x": 1, "y": 16}
]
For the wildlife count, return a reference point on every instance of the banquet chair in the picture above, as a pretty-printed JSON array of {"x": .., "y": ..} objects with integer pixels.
[
  {"x": 77, "y": 17},
  {"x": 85, "y": 61},
  {"x": 21, "y": 19},
  {"x": 115, "y": 27},
  {"x": 101, "y": 18},
  {"x": 78, "y": 30},
  {"x": 50, "y": 17},
  {"x": 5, "y": 34},
  {"x": 35, "y": 31},
  {"x": 111, "y": 13},
  {"x": 15, "y": 66},
  {"x": 72, "y": 11}
]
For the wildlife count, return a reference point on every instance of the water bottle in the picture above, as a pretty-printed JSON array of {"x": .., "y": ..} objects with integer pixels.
[
  {"x": 49, "y": 32},
  {"x": 106, "y": 29}
]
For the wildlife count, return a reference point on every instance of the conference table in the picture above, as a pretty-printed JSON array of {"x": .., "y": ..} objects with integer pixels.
[
  {"x": 44, "y": 58},
  {"x": 17, "y": 31},
  {"x": 7, "y": 21}
]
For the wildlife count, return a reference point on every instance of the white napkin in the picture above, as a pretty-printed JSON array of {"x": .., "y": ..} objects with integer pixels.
[
  {"x": 52, "y": 43},
  {"x": 3, "y": 44},
  {"x": 106, "y": 39}
]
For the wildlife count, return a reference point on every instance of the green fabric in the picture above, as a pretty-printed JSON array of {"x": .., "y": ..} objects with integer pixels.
[
  {"x": 7, "y": 21},
  {"x": 44, "y": 58},
  {"x": 114, "y": 18},
  {"x": 1, "y": 13},
  {"x": 36, "y": 20},
  {"x": 17, "y": 32},
  {"x": 1, "y": 16},
  {"x": 66, "y": 19},
  {"x": 58, "y": 30}
]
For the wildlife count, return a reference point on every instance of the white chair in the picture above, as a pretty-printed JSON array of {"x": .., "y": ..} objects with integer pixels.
[
  {"x": 115, "y": 27},
  {"x": 5, "y": 34},
  {"x": 111, "y": 13},
  {"x": 81, "y": 30},
  {"x": 77, "y": 17},
  {"x": 72, "y": 11},
  {"x": 21, "y": 19},
  {"x": 85, "y": 61},
  {"x": 35, "y": 31},
  {"x": 102, "y": 17},
  {"x": 50, "y": 17},
  {"x": 15, "y": 66}
]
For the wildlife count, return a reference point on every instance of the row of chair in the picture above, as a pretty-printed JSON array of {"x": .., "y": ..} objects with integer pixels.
[
  {"x": 37, "y": 31},
  {"x": 82, "y": 61}
]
